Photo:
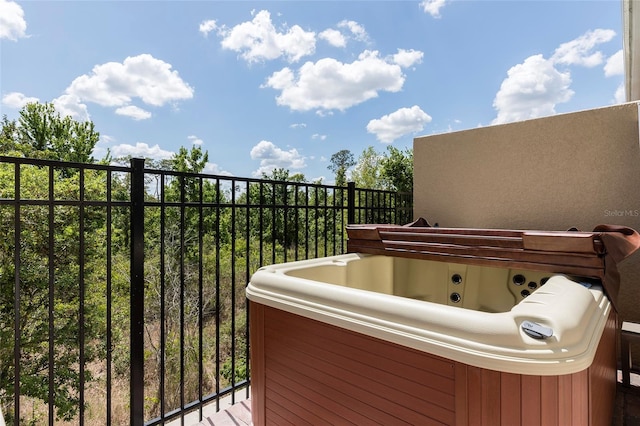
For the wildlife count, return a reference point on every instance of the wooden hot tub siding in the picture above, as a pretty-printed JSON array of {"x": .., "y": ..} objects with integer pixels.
[{"x": 305, "y": 372}]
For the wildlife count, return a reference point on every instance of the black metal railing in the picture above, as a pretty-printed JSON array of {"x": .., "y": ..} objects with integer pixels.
[{"x": 122, "y": 288}]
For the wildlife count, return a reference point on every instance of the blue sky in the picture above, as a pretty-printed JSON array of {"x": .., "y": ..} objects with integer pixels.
[{"x": 288, "y": 83}]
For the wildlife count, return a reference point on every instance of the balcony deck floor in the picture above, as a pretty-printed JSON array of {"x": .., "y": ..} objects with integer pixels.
[{"x": 238, "y": 414}]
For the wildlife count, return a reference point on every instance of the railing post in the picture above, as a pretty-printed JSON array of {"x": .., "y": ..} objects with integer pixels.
[
  {"x": 17, "y": 231},
  {"x": 137, "y": 294},
  {"x": 351, "y": 202}
]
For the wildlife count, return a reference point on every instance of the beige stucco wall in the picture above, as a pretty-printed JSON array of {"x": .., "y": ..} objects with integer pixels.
[{"x": 580, "y": 169}]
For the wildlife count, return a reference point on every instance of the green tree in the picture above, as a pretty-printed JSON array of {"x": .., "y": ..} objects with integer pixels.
[
  {"x": 340, "y": 163},
  {"x": 397, "y": 169},
  {"x": 191, "y": 234},
  {"x": 35, "y": 278},
  {"x": 367, "y": 171},
  {"x": 391, "y": 171},
  {"x": 191, "y": 161},
  {"x": 42, "y": 133},
  {"x": 279, "y": 191},
  {"x": 282, "y": 174},
  {"x": 8, "y": 137}
]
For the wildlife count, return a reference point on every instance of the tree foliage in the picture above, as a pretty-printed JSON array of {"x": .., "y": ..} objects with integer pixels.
[
  {"x": 397, "y": 169},
  {"x": 367, "y": 171},
  {"x": 71, "y": 249},
  {"x": 41, "y": 132},
  {"x": 391, "y": 170},
  {"x": 341, "y": 161}
]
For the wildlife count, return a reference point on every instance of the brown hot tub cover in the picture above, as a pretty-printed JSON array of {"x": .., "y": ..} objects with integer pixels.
[{"x": 587, "y": 254}]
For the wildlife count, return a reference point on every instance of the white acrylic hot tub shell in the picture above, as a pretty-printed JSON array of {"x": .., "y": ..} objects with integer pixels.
[{"x": 319, "y": 289}]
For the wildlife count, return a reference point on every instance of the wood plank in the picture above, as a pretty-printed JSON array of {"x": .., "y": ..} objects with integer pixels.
[
  {"x": 603, "y": 375},
  {"x": 474, "y": 395},
  {"x": 580, "y": 398},
  {"x": 530, "y": 404},
  {"x": 510, "y": 399},
  {"x": 461, "y": 395},
  {"x": 490, "y": 400},
  {"x": 257, "y": 363},
  {"x": 549, "y": 400},
  {"x": 565, "y": 409}
]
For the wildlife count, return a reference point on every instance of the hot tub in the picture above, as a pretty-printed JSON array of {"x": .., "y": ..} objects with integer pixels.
[{"x": 413, "y": 337}]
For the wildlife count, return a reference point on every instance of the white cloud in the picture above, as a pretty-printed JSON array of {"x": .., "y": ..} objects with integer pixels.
[
  {"x": 214, "y": 169},
  {"x": 207, "y": 26},
  {"x": 615, "y": 64},
  {"x": 532, "y": 89},
  {"x": 620, "y": 96},
  {"x": 298, "y": 125},
  {"x": 399, "y": 123},
  {"x": 319, "y": 136},
  {"x": 337, "y": 38},
  {"x": 358, "y": 31},
  {"x": 115, "y": 84},
  {"x": 259, "y": 40},
  {"x": 134, "y": 112},
  {"x": 432, "y": 7},
  {"x": 579, "y": 50},
  {"x": 272, "y": 157},
  {"x": 330, "y": 84},
  {"x": 106, "y": 138},
  {"x": 407, "y": 58},
  {"x": 195, "y": 140},
  {"x": 17, "y": 100},
  {"x": 72, "y": 105},
  {"x": 333, "y": 37},
  {"x": 12, "y": 23},
  {"x": 141, "y": 149}
]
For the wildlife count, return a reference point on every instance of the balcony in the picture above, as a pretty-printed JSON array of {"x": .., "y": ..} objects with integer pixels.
[{"x": 126, "y": 290}]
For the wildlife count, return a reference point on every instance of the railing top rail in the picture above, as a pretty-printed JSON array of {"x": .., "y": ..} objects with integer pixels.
[
  {"x": 162, "y": 172},
  {"x": 63, "y": 164}
]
